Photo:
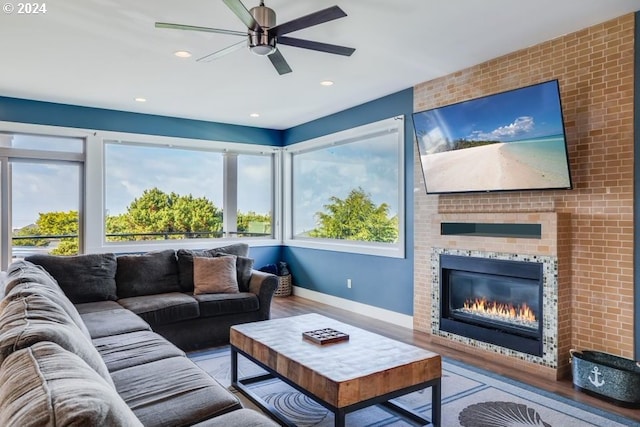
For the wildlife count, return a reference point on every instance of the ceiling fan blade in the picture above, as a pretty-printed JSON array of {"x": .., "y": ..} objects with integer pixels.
[
  {"x": 241, "y": 12},
  {"x": 279, "y": 62},
  {"x": 194, "y": 28},
  {"x": 222, "y": 52},
  {"x": 322, "y": 47},
  {"x": 319, "y": 17}
]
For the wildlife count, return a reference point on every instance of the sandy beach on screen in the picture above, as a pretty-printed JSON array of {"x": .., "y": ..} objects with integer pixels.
[{"x": 488, "y": 167}]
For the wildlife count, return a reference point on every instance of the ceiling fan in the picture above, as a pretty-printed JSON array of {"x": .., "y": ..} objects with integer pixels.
[{"x": 263, "y": 35}]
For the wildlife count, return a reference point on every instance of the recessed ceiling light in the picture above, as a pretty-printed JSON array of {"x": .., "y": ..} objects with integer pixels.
[
  {"x": 140, "y": 99},
  {"x": 326, "y": 83},
  {"x": 182, "y": 54},
  {"x": 254, "y": 115}
]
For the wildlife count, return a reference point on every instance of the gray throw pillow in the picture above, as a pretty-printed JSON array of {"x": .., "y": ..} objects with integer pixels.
[
  {"x": 83, "y": 278},
  {"x": 147, "y": 274},
  {"x": 45, "y": 385}
]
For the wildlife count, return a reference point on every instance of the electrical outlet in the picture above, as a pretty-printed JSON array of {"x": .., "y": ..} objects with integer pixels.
[{"x": 349, "y": 283}]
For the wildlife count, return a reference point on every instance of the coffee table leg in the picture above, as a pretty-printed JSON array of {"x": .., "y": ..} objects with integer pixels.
[
  {"x": 234, "y": 365},
  {"x": 339, "y": 418},
  {"x": 436, "y": 403}
]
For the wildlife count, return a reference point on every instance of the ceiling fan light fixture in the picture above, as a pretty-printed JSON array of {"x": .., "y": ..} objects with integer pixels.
[
  {"x": 260, "y": 44},
  {"x": 262, "y": 50}
]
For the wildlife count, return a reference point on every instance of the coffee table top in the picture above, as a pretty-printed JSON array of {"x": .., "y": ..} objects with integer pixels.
[{"x": 341, "y": 373}]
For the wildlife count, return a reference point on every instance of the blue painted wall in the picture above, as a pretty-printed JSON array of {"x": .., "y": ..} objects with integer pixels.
[
  {"x": 73, "y": 116},
  {"x": 378, "y": 281}
]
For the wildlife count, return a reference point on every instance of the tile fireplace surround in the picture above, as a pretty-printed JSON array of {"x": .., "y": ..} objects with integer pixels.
[{"x": 550, "y": 248}]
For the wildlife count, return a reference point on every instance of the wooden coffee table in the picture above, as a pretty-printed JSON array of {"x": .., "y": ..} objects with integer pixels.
[{"x": 345, "y": 376}]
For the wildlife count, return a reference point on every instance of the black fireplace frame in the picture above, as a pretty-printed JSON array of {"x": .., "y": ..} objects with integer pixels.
[{"x": 486, "y": 333}]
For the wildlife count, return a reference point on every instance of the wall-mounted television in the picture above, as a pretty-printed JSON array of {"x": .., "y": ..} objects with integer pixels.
[{"x": 509, "y": 141}]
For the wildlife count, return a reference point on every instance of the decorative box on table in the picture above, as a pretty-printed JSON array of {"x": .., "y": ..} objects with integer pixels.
[{"x": 604, "y": 375}]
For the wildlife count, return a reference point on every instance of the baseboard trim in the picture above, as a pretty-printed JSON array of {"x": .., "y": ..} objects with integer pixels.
[{"x": 356, "y": 307}]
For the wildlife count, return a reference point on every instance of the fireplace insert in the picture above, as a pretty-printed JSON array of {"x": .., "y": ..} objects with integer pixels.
[{"x": 492, "y": 300}]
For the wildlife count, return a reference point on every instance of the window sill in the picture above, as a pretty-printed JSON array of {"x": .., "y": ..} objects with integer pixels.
[{"x": 349, "y": 246}]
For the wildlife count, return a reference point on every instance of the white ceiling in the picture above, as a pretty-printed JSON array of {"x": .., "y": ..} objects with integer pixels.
[{"x": 104, "y": 53}]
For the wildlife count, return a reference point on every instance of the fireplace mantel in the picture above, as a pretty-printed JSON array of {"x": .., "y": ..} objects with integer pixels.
[{"x": 500, "y": 235}]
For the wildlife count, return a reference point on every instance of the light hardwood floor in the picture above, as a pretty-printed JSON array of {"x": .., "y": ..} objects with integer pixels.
[{"x": 294, "y": 305}]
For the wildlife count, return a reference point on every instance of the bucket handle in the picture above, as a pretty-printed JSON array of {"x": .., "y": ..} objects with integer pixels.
[{"x": 572, "y": 351}]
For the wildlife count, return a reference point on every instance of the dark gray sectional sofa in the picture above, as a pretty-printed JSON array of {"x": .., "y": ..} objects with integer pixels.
[
  {"x": 158, "y": 287},
  {"x": 72, "y": 352}
]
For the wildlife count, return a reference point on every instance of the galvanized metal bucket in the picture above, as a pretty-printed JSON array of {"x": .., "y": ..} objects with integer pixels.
[{"x": 613, "y": 378}]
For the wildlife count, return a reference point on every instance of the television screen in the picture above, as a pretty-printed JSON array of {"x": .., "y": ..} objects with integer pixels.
[{"x": 503, "y": 142}]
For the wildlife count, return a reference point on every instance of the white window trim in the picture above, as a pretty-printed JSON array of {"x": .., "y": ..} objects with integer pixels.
[
  {"x": 92, "y": 207},
  {"x": 6, "y": 154},
  {"x": 96, "y": 241},
  {"x": 393, "y": 250}
]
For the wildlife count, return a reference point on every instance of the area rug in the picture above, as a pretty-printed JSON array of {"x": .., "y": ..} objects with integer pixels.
[{"x": 471, "y": 397}]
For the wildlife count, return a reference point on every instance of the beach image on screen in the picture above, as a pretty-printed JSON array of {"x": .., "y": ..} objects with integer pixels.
[{"x": 510, "y": 141}]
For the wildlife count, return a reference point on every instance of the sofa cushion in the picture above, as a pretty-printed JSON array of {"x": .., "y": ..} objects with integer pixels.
[
  {"x": 24, "y": 278},
  {"x": 135, "y": 348},
  {"x": 22, "y": 271},
  {"x": 113, "y": 322},
  {"x": 92, "y": 307},
  {"x": 215, "y": 275},
  {"x": 161, "y": 309},
  {"x": 56, "y": 296},
  {"x": 244, "y": 417},
  {"x": 147, "y": 274},
  {"x": 45, "y": 385},
  {"x": 185, "y": 263},
  {"x": 220, "y": 304},
  {"x": 83, "y": 278},
  {"x": 34, "y": 318},
  {"x": 149, "y": 389}
]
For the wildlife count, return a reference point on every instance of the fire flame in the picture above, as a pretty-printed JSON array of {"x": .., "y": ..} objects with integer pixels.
[{"x": 506, "y": 311}]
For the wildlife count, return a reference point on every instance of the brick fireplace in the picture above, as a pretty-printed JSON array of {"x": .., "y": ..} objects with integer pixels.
[
  {"x": 548, "y": 250},
  {"x": 587, "y": 230}
]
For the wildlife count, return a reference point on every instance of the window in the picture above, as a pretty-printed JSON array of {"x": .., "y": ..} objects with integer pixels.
[
  {"x": 255, "y": 195},
  {"x": 41, "y": 183},
  {"x": 347, "y": 190},
  {"x": 164, "y": 192}
]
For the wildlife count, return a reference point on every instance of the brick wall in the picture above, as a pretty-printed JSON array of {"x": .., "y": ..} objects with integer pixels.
[{"x": 595, "y": 69}]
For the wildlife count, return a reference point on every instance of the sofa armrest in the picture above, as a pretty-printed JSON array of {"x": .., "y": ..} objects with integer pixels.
[{"x": 264, "y": 286}]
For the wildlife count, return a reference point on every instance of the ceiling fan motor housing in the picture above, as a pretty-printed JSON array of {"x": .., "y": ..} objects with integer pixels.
[{"x": 259, "y": 41}]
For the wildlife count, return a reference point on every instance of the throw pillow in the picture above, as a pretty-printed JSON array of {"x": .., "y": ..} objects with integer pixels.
[
  {"x": 214, "y": 275},
  {"x": 83, "y": 278},
  {"x": 185, "y": 263},
  {"x": 147, "y": 274},
  {"x": 244, "y": 268}
]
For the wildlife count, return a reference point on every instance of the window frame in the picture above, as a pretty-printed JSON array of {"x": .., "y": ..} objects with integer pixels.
[
  {"x": 96, "y": 240},
  {"x": 10, "y": 154},
  {"x": 393, "y": 250},
  {"x": 92, "y": 192}
]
